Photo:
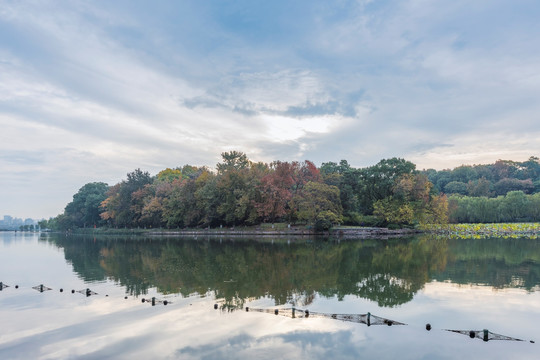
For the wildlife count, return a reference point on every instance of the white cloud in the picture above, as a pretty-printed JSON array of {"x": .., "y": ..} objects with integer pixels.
[{"x": 99, "y": 91}]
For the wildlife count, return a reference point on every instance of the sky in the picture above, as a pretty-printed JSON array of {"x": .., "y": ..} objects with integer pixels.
[{"x": 91, "y": 90}]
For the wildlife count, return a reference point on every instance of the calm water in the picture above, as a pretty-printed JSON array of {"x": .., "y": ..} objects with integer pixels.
[{"x": 452, "y": 284}]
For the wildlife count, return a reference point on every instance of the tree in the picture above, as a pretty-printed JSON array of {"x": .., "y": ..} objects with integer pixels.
[
  {"x": 334, "y": 168},
  {"x": 503, "y": 169},
  {"x": 503, "y": 186},
  {"x": 319, "y": 201},
  {"x": 152, "y": 212},
  {"x": 43, "y": 224},
  {"x": 412, "y": 188},
  {"x": 120, "y": 207},
  {"x": 192, "y": 172},
  {"x": 438, "y": 210},
  {"x": 464, "y": 174},
  {"x": 246, "y": 210},
  {"x": 304, "y": 173},
  {"x": 176, "y": 204},
  {"x": 275, "y": 191},
  {"x": 85, "y": 210},
  {"x": 393, "y": 211},
  {"x": 455, "y": 187},
  {"x": 346, "y": 179},
  {"x": 531, "y": 168},
  {"x": 480, "y": 187},
  {"x": 169, "y": 175},
  {"x": 231, "y": 185},
  {"x": 515, "y": 206},
  {"x": 377, "y": 182},
  {"x": 207, "y": 199},
  {"x": 412, "y": 201},
  {"x": 232, "y": 160},
  {"x": 534, "y": 207}
]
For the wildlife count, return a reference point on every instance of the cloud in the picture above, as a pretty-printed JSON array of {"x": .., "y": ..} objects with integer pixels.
[
  {"x": 127, "y": 85},
  {"x": 292, "y": 345}
]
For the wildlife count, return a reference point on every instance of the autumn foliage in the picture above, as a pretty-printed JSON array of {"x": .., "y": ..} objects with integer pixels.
[{"x": 242, "y": 192}]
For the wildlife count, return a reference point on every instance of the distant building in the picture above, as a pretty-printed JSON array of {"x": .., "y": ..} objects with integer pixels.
[{"x": 11, "y": 223}]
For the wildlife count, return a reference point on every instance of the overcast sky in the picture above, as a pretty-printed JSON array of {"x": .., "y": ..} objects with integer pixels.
[{"x": 91, "y": 90}]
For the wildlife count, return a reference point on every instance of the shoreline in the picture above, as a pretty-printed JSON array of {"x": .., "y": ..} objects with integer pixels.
[
  {"x": 338, "y": 232},
  {"x": 341, "y": 233}
]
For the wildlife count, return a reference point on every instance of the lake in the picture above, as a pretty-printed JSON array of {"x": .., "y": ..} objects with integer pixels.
[{"x": 95, "y": 310}]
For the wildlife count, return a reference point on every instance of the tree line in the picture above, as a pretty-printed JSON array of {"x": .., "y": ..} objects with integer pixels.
[
  {"x": 241, "y": 192},
  {"x": 515, "y": 206},
  {"x": 489, "y": 180}
]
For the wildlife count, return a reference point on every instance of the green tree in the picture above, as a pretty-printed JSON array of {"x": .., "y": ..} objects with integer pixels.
[
  {"x": 531, "y": 168},
  {"x": 393, "y": 211},
  {"x": 377, "y": 182},
  {"x": 534, "y": 207},
  {"x": 464, "y": 174},
  {"x": 232, "y": 160},
  {"x": 456, "y": 187},
  {"x": 346, "y": 179},
  {"x": 319, "y": 202},
  {"x": 177, "y": 204},
  {"x": 515, "y": 206},
  {"x": 207, "y": 198},
  {"x": 85, "y": 210},
  {"x": 506, "y": 185}
]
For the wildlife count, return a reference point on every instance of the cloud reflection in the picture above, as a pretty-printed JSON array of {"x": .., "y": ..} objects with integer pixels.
[{"x": 192, "y": 329}]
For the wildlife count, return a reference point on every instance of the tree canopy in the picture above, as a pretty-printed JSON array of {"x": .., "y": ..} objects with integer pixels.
[{"x": 243, "y": 192}]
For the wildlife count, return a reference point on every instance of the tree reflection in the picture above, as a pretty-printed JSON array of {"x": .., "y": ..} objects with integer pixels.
[{"x": 389, "y": 272}]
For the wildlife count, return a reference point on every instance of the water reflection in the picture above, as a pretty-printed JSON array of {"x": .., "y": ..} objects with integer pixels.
[{"x": 389, "y": 272}]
